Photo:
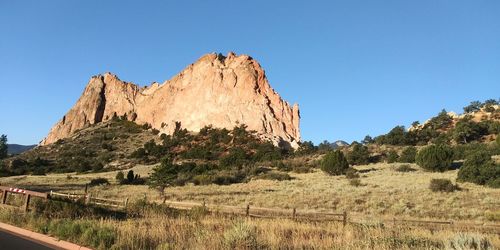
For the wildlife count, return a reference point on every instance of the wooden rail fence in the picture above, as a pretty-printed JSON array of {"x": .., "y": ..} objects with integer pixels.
[
  {"x": 89, "y": 199},
  {"x": 293, "y": 213},
  {"x": 261, "y": 212},
  {"x": 26, "y": 193},
  {"x": 248, "y": 210}
]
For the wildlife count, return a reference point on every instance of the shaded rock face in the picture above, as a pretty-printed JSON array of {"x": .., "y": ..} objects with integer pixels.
[{"x": 220, "y": 91}]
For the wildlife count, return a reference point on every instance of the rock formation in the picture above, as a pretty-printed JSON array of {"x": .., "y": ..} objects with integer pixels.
[{"x": 216, "y": 90}]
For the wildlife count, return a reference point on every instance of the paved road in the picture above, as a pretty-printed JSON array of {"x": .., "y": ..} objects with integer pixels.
[{"x": 13, "y": 242}]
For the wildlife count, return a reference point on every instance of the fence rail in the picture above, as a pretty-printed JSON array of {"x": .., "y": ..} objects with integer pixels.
[
  {"x": 26, "y": 193},
  {"x": 249, "y": 211},
  {"x": 261, "y": 212},
  {"x": 273, "y": 213},
  {"x": 89, "y": 199}
]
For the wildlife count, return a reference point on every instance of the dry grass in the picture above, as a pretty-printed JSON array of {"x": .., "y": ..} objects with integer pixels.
[
  {"x": 384, "y": 192},
  {"x": 213, "y": 232},
  {"x": 200, "y": 231}
]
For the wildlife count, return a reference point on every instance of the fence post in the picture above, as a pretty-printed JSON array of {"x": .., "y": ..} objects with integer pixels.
[
  {"x": 126, "y": 202},
  {"x": 248, "y": 210},
  {"x": 294, "y": 213},
  {"x": 86, "y": 187},
  {"x": 344, "y": 218},
  {"x": 27, "y": 203},
  {"x": 4, "y": 197},
  {"x": 204, "y": 204},
  {"x": 87, "y": 200}
]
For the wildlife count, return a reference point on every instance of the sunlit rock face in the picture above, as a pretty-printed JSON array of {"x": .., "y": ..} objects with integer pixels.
[{"x": 222, "y": 91}]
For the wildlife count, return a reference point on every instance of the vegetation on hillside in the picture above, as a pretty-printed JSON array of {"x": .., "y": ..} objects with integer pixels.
[
  {"x": 334, "y": 163},
  {"x": 437, "y": 158},
  {"x": 444, "y": 129}
]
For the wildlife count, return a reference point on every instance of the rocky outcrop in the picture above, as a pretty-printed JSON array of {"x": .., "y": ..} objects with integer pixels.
[{"x": 216, "y": 90}]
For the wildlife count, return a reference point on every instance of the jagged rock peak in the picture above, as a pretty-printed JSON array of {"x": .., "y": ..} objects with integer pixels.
[{"x": 222, "y": 91}]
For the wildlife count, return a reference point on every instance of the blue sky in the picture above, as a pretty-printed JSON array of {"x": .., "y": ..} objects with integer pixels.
[{"x": 354, "y": 67}]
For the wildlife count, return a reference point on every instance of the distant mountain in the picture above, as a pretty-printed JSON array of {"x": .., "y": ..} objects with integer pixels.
[
  {"x": 340, "y": 143},
  {"x": 15, "y": 149}
]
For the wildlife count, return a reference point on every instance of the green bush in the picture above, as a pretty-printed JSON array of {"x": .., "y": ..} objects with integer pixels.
[
  {"x": 437, "y": 158},
  {"x": 98, "y": 181},
  {"x": 480, "y": 169},
  {"x": 334, "y": 163},
  {"x": 468, "y": 241},
  {"x": 498, "y": 140},
  {"x": 241, "y": 236},
  {"x": 408, "y": 155},
  {"x": 405, "y": 168},
  {"x": 130, "y": 176},
  {"x": 359, "y": 155},
  {"x": 120, "y": 177},
  {"x": 442, "y": 185},
  {"x": 273, "y": 175},
  {"x": 236, "y": 157},
  {"x": 392, "y": 156}
]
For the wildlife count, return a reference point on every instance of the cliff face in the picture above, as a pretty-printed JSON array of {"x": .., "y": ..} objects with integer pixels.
[{"x": 215, "y": 90}]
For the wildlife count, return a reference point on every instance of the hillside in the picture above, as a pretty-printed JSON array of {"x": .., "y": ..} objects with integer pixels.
[{"x": 121, "y": 144}]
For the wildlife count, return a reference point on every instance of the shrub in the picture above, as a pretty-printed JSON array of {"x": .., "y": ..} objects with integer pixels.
[
  {"x": 3, "y": 147},
  {"x": 266, "y": 152},
  {"x": 236, "y": 157},
  {"x": 120, "y": 177},
  {"x": 98, "y": 181},
  {"x": 132, "y": 179},
  {"x": 241, "y": 236},
  {"x": 355, "y": 182},
  {"x": 468, "y": 241},
  {"x": 463, "y": 151},
  {"x": 281, "y": 166},
  {"x": 435, "y": 158},
  {"x": 139, "y": 153},
  {"x": 392, "y": 156},
  {"x": 273, "y": 175},
  {"x": 351, "y": 173},
  {"x": 408, "y": 155},
  {"x": 334, "y": 163},
  {"x": 405, "y": 168},
  {"x": 498, "y": 140},
  {"x": 442, "y": 185},
  {"x": 130, "y": 176},
  {"x": 228, "y": 177},
  {"x": 479, "y": 168},
  {"x": 359, "y": 155}
]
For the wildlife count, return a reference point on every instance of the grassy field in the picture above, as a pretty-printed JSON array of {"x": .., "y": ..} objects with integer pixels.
[
  {"x": 384, "y": 192},
  {"x": 161, "y": 228}
]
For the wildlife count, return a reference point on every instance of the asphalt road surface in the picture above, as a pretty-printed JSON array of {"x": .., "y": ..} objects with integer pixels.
[{"x": 10, "y": 241}]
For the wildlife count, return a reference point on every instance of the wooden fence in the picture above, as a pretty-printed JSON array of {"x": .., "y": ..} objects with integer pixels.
[
  {"x": 248, "y": 210},
  {"x": 89, "y": 199},
  {"x": 272, "y": 213},
  {"x": 261, "y": 212},
  {"x": 18, "y": 191}
]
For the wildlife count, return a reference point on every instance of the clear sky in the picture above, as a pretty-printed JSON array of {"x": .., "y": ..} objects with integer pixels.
[{"x": 354, "y": 67}]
